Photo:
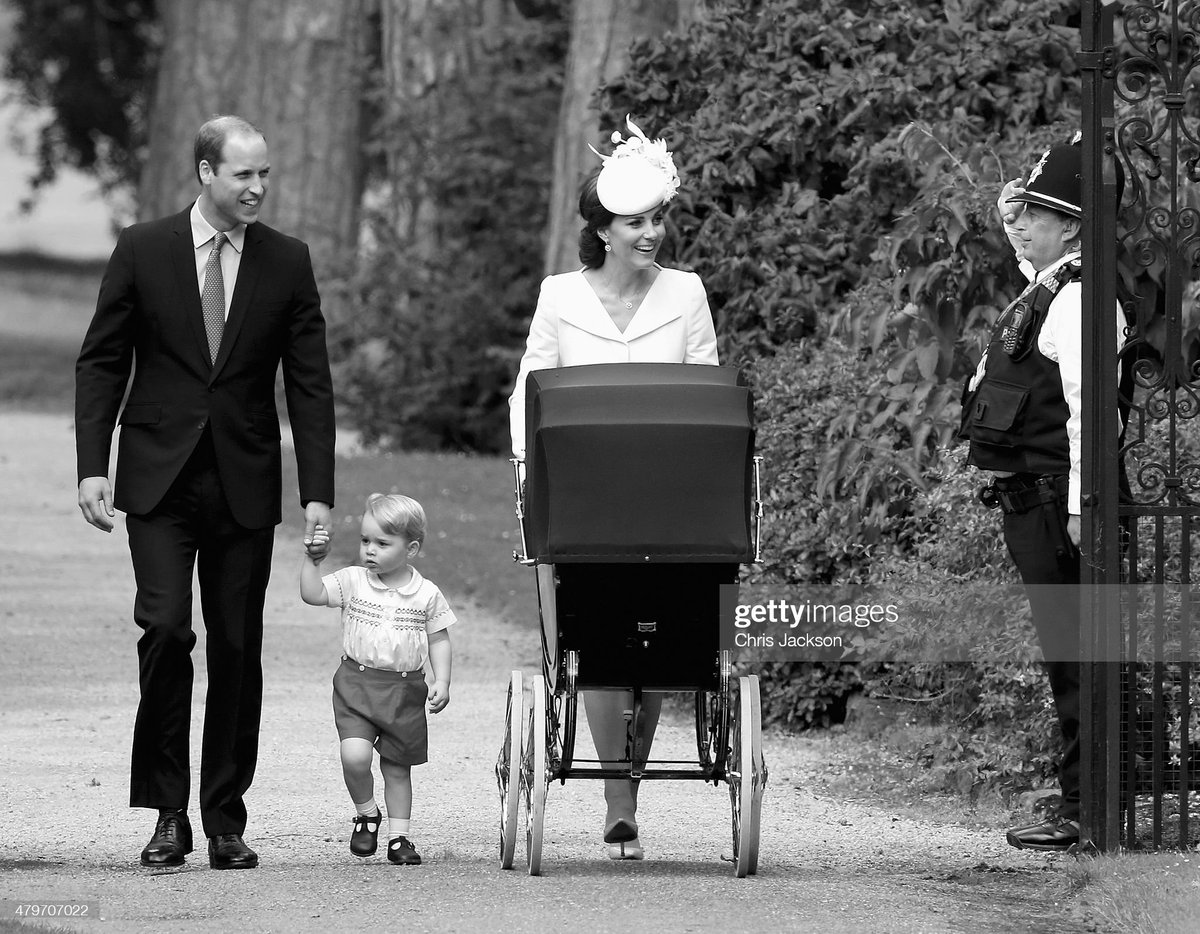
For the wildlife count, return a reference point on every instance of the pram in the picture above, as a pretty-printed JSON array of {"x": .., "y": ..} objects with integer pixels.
[{"x": 637, "y": 500}]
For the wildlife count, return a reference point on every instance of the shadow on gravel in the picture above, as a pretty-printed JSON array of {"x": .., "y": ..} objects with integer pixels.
[{"x": 8, "y": 864}]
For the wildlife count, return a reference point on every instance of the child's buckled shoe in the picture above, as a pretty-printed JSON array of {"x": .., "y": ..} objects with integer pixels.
[
  {"x": 403, "y": 853},
  {"x": 365, "y": 837}
]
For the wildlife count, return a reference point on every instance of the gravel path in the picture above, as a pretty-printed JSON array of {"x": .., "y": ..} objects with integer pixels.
[{"x": 68, "y": 693}]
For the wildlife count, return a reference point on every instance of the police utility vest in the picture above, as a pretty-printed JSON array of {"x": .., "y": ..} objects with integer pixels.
[{"x": 1016, "y": 418}]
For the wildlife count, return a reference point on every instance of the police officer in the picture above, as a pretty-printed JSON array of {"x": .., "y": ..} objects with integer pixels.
[{"x": 1022, "y": 413}]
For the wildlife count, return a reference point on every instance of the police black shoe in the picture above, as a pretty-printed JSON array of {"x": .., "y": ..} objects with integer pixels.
[
  {"x": 365, "y": 836},
  {"x": 1053, "y": 833},
  {"x": 229, "y": 851},
  {"x": 172, "y": 840}
]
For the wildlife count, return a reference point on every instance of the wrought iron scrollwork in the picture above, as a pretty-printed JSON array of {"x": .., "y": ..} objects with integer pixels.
[{"x": 1154, "y": 75}]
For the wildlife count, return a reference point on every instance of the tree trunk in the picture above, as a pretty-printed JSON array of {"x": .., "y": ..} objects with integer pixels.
[
  {"x": 601, "y": 32},
  {"x": 426, "y": 45},
  {"x": 295, "y": 69}
]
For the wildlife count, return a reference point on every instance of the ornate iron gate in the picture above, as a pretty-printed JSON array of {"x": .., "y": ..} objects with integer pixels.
[{"x": 1140, "y": 721}]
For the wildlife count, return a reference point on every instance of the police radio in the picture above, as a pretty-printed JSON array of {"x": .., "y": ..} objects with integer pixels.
[{"x": 1022, "y": 316}]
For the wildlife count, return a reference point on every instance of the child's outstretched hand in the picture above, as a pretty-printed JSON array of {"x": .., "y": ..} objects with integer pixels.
[
  {"x": 318, "y": 546},
  {"x": 439, "y": 696}
]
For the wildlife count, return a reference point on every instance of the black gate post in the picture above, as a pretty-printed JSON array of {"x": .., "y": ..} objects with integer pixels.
[{"x": 1100, "y": 727}]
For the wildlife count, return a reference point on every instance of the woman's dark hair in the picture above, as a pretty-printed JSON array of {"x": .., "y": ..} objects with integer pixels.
[{"x": 595, "y": 216}]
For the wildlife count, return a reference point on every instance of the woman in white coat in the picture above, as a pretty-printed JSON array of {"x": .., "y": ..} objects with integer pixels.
[{"x": 620, "y": 307}]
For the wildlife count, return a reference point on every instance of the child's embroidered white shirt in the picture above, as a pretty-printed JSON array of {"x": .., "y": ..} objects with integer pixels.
[{"x": 386, "y": 627}]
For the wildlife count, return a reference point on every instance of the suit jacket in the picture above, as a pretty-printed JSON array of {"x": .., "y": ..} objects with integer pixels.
[
  {"x": 571, "y": 328},
  {"x": 149, "y": 321}
]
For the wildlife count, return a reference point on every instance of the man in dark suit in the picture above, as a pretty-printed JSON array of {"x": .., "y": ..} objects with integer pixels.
[{"x": 202, "y": 308}]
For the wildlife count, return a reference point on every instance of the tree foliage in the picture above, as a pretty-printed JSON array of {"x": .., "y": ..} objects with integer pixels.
[{"x": 92, "y": 66}]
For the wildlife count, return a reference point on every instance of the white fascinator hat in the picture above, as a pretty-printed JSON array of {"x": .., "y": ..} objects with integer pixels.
[{"x": 639, "y": 175}]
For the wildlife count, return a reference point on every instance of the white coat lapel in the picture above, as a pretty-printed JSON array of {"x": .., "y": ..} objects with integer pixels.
[
  {"x": 594, "y": 321},
  {"x": 585, "y": 312},
  {"x": 652, "y": 314}
]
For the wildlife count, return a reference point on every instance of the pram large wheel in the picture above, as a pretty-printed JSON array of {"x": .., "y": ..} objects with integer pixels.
[
  {"x": 508, "y": 769},
  {"x": 534, "y": 777},
  {"x": 759, "y": 780},
  {"x": 746, "y": 775}
]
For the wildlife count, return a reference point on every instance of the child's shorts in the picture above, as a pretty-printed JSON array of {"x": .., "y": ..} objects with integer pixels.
[{"x": 386, "y": 708}]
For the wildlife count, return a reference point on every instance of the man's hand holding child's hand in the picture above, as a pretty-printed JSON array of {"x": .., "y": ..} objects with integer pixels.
[{"x": 318, "y": 546}]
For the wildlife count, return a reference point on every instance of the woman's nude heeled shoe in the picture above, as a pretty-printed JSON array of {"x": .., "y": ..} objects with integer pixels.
[
  {"x": 622, "y": 830},
  {"x": 626, "y": 849}
]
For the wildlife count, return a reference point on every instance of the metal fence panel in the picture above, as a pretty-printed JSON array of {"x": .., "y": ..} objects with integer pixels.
[{"x": 1141, "y": 114}]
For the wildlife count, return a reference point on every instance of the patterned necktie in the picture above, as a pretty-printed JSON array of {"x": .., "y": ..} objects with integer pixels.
[{"x": 212, "y": 299}]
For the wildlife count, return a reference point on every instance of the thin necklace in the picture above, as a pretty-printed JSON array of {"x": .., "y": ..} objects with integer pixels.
[{"x": 629, "y": 303}]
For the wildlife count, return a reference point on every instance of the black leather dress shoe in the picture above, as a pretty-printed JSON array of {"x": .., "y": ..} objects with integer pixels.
[
  {"x": 228, "y": 851},
  {"x": 1053, "y": 833},
  {"x": 172, "y": 840}
]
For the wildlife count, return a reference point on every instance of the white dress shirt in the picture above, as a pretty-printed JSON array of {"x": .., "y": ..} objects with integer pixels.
[{"x": 231, "y": 254}]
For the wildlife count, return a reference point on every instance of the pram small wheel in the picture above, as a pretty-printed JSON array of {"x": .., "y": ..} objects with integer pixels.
[{"x": 508, "y": 769}]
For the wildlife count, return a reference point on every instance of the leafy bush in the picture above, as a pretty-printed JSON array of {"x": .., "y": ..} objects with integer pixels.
[
  {"x": 999, "y": 731},
  {"x": 827, "y": 516},
  {"x": 787, "y": 117},
  {"x": 923, "y": 541}
]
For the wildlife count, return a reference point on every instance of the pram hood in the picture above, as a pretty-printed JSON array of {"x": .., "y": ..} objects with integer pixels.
[{"x": 639, "y": 462}]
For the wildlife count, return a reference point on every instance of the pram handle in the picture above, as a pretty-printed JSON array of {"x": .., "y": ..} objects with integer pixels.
[
  {"x": 757, "y": 509},
  {"x": 521, "y": 557}
]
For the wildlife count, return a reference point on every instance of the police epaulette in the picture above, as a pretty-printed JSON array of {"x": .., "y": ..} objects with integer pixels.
[{"x": 1067, "y": 272}]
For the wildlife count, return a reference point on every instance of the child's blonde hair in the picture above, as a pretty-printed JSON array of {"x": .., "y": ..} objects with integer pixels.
[{"x": 398, "y": 514}]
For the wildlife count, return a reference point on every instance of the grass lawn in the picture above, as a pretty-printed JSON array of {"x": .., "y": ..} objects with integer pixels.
[
  {"x": 1147, "y": 893},
  {"x": 37, "y": 374},
  {"x": 45, "y": 306}
]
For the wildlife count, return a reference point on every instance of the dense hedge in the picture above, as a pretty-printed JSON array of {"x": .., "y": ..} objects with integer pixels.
[{"x": 787, "y": 118}]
